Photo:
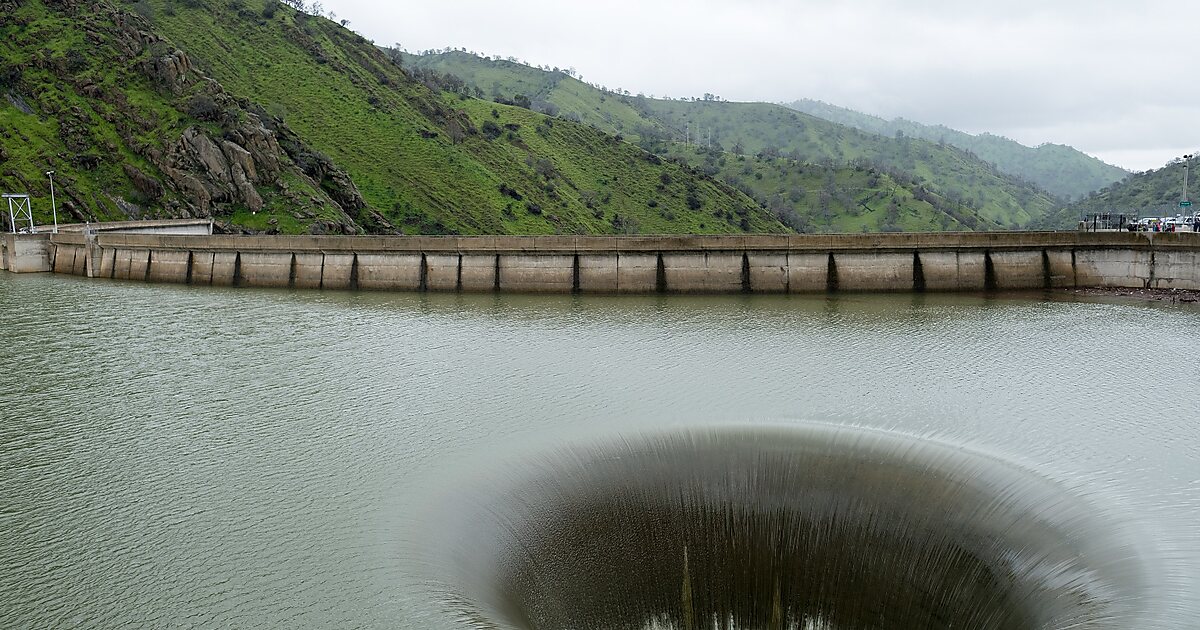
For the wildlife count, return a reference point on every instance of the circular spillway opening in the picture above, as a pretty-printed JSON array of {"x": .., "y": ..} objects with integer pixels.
[{"x": 777, "y": 528}]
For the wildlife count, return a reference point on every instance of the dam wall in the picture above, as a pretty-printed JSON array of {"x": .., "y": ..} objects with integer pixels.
[
  {"x": 25, "y": 253},
  {"x": 31, "y": 253},
  {"x": 898, "y": 262}
]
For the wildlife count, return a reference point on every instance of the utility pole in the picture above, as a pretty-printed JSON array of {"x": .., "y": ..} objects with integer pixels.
[
  {"x": 54, "y": 207},
  {"x": 1186, "y": 160}
]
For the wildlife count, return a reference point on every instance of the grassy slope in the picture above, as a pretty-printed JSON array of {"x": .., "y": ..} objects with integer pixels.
[
  {"x": 30, "y": 142},
  {"x": 1061, "y": 170},
  {"x": 395, "y": 136},
  {"x": 951, "y": 172},
  {"x": 824, "y": 199},
  {"x": 89, "y": 172},
  {"x": 819, "y": 198},
  {"x": 574, "y": 98},
  {"x": 94, "y": 113}
]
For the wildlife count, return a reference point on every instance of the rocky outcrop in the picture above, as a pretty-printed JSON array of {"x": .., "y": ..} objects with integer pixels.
[
  {"x": 171, "y": 71},
  {"x": 148, "y": 186},
  {"x": 229, "y": 154},
  {"x": 223, "y": 170},
  {"x": 18, "y": 102},
  {"x": 74, "y": 129},
  {"x": 260, "y": 144}
]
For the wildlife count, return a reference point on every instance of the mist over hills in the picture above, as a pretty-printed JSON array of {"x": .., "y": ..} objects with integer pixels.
[
  {"x": 1061, "y": 170},
  {"x": 758, "y": 129}
]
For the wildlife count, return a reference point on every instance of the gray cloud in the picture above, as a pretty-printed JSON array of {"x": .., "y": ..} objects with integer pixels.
[{"x": 1107, "y": 77}]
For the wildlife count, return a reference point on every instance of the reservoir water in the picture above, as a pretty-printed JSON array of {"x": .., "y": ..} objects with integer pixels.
[{"x": 199, "y": 457}]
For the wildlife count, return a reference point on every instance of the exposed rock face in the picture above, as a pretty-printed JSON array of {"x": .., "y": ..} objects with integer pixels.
[
  {"x": 18, "y": 102},
  {"x": 202, "y": 171},
  {"x": 241, "y": 170},
  {"x": 193, "y": 189},
  {"x": 206, "y": 171},
  {"x": 260, "y": 143},
  {"x": 74, "y": 129},
  {"x": 145, "y": 184},
  {"x": 171, "y": 71}
]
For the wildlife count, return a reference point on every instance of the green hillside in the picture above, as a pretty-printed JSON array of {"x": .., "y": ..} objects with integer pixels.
[
  {"x": 132, "y": 132},
  {"x": 1059, "y": 169},
  {"x": 775, "y": 130},
  {"x": 1153, "y": 193},
  {"x": 748, "y": 128},
  {"x": 819, "y": 198},
  {"x": 357, "y": 144},
  {"x": 556, "y": 93}
]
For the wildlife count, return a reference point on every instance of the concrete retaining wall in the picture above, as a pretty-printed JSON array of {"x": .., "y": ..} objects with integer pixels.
[
  {"x": 637, "y": 273},
  {"x": 667, "y": 264},
  {"x": 952, "y": 270},
  {"x": 872, "y": 271},
  {"x": 25, "y": 253},
  {"x": 1176, "y": 269}
]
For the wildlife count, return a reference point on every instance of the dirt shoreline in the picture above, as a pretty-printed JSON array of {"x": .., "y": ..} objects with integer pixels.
[{"x": 1173, "y": 296}]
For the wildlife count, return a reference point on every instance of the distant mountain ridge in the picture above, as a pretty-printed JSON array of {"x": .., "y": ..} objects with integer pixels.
[
  {"x": 1061, "y": 170},
  {"x": 747, "y": 129}
]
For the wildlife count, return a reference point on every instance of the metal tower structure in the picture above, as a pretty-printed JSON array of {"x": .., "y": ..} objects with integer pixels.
[{"x": 18, "y": 209}]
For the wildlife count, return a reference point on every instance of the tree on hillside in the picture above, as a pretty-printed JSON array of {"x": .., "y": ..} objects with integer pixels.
[
  {"x": 456, "y": 131},
  {"x": 545, "y": 107},
  {"x": 545, "y": 168},
  {"x": 143, "y": 8},
  {"x": 395, "y": 54}
]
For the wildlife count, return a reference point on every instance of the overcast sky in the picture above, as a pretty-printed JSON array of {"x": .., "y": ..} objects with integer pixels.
[{"x": 1107, "y": 77}]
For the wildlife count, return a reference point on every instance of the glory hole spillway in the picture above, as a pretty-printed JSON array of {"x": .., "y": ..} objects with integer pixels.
[{"x": 799, "y": 527}]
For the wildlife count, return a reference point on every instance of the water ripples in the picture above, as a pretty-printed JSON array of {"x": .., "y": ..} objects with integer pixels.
[{"x": 211, "y": 457}]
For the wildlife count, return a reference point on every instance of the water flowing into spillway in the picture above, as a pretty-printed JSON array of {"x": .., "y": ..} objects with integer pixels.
[{"x": 774, "y": 528}]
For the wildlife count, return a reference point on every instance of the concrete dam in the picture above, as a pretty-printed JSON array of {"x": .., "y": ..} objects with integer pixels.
[{"x": 895, "y": 262}]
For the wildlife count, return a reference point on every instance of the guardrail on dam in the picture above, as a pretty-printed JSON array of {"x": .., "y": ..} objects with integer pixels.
[{"x": 633, "y": 264}]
